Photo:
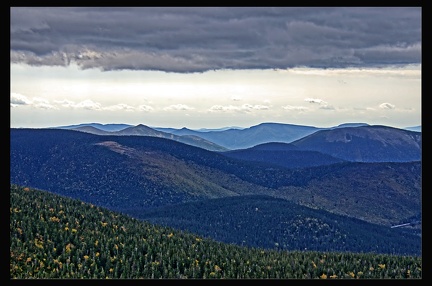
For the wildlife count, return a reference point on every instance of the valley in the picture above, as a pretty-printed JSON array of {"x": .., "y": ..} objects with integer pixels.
[{"x": 144, "y": 176}]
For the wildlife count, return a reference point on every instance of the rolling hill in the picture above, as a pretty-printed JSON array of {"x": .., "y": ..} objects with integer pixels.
[
  {"x": 117, "y": 171},
  {"x": 230, "y": 138},
  {"x": 134, "y": 173},
  {"x": 104, "y": 127},
  {"x": 365, "y": 144},
  {"x": 254, "y": 135},
  {"x": 143, "y": 130},
  {"x": 272, "y": 223},
  {"x": 282, "y": 154}
]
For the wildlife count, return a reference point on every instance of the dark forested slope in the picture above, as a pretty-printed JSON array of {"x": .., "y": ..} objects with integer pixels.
[
  {"x": 283, "y": 154},
  {"x": 140, "y": 172},
  {"x": 262, "y": 221},
  {"x": 57, "y": 237}
]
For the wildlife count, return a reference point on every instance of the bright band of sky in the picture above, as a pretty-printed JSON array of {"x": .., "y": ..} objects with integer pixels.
[
  {"x": 315, "y": 97},
  {"x": 215, "y": 67}
]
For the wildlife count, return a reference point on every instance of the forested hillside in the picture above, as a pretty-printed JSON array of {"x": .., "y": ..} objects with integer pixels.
[
  {"x": 374, "y": 143},
  {"x": 263, "y": 221},
  {"x": 286, "y": 158},
  {"x": 58, "y": 237},
  {"x": 138, "y": 173}
]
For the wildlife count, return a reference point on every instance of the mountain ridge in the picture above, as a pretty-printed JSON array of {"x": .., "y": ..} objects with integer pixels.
[
  {"x": 278, "y": 224},
  {"x": 146, "y": 172},
  {"x": 232, "y": 138},
  {"x": 143, "y": 130},
  {"x": 372, "y": 143}
]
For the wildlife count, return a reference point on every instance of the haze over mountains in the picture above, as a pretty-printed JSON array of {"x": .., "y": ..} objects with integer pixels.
[
  {"x": 142, "y": 130},
  {"x": 221, "y": 139},
  {"x": 104, "y": 127},
  {"x": 225, "y": 138}
]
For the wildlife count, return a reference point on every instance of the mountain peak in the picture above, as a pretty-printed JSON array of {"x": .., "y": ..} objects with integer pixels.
[
  {"x": 351, "y": 125},
  {"x": 368, "y": 143}
]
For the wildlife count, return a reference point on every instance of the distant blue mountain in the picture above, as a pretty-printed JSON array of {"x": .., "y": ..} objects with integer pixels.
[
  {"x": 351, "y": 125},
  {"x": 235, "y": 137},
  {"x": 218, "y": 129},
  {"x": 143, "y": 130},
  {"x": 105, "y": 127},
  {"x": 414, "y": 128},
  {"x": 187, "y": 131},
  {"x": 175, "y": 131},
  {"x": 374, "y": 143},
  {"x": 249, "y": 137}
]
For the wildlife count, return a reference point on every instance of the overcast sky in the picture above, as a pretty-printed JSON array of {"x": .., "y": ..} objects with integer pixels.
[{"x": 215, "y": 67}]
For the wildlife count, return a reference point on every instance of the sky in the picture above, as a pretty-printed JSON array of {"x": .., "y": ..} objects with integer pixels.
[{"x": 215, "y": 67}]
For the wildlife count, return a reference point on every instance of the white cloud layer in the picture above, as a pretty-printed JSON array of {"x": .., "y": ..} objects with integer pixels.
[{"x": 216, "y": 99}]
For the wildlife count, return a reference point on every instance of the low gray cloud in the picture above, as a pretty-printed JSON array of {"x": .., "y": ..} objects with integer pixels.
[
  {"x": 322, "y": 104},
  {"x": 120, "y": 106},
  {"x": 327, "y": 107},
  {"x": 387, "y": 105},
  {"x": 295, "y": 108},
  {"x": 236, "y": 98},
  {"x": 145, "y": 108},
  {"x": 17, "y": 99},
  {"x": 242, "y": 108},
  {"x": 315, "y": 100},
  {"x": 188, "y": 39},
  {"x": 43, "y": 103},
  {"x": 178, "y": 107},
  {"x": 89, "y": 105}
]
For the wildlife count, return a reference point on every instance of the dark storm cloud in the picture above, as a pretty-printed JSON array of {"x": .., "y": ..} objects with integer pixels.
[{"x": 199, "y": 39}]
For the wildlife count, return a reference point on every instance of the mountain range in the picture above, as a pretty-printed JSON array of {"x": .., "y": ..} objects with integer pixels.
[
  {"x": 224, "y": 139},
  {"x": 143, "y": 176},
  {"x": 143, "y": 130},
  {"x": 221, "y": 139},
  {"x": 365, "y": 144}
]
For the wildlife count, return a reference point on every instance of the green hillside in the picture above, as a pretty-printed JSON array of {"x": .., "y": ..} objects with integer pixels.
[{"x": 58, "y": 237}]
